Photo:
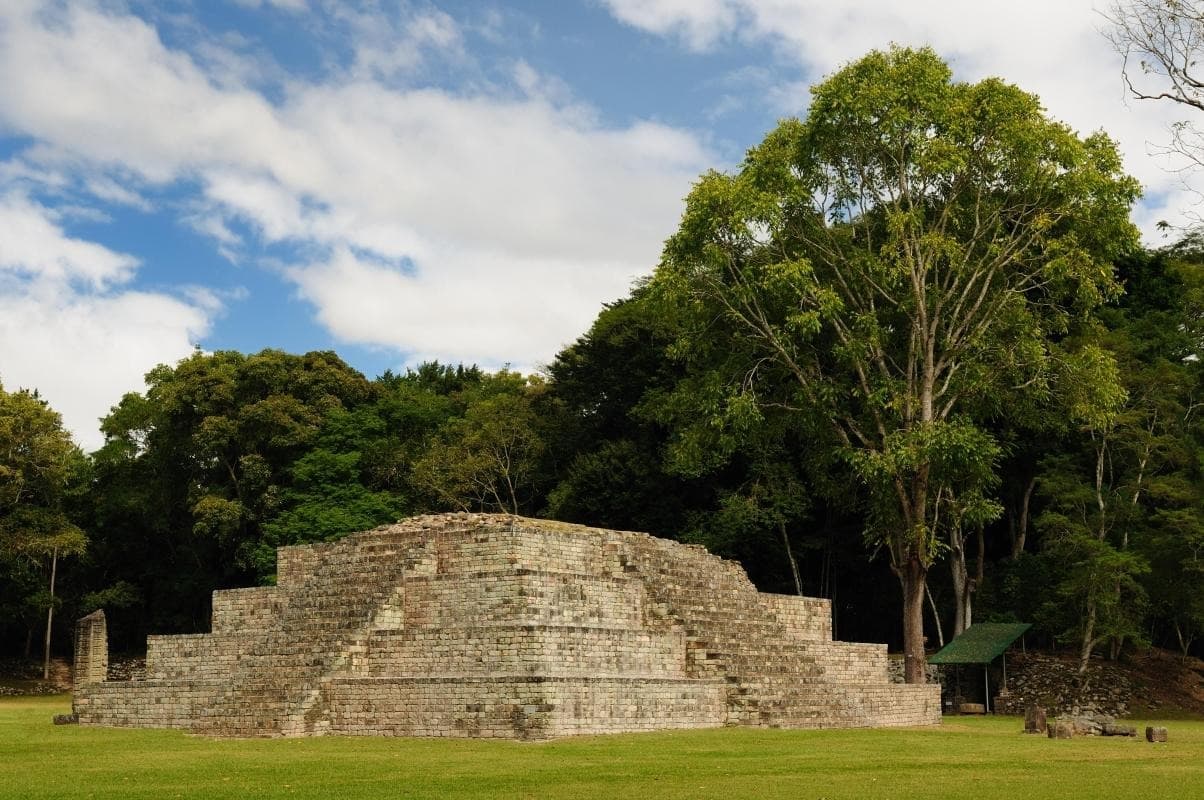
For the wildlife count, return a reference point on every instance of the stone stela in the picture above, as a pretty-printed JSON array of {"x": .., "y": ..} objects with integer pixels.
[{"x": 481, "y": 625}]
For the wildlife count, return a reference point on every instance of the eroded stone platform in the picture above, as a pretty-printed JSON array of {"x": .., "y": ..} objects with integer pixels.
[{"x": 499, "y": 626}]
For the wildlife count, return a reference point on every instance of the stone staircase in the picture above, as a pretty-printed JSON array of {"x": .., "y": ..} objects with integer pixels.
[
  {"x": 499, "y": 626},
  {"x": 276, "y": 688}
]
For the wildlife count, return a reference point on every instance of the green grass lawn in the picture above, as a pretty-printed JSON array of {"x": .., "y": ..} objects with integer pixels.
[{"x": 964, "y": 758}]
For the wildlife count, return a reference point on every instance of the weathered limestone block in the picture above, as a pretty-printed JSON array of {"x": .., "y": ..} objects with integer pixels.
[
  {"x": 498, "y": 626},
  {"x": 1155, "y": 734},
  {"x": 257, "y": 608},
  {"x": 1034, "y": 720},
  {"x": 1117, "y": 729},
  {"x": 1061, "y": 729}
]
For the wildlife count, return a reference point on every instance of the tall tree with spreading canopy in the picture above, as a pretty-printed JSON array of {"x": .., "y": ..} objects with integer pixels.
[
  {"x": 891, "y": 270},
  {"x": 37, "y": 464}
]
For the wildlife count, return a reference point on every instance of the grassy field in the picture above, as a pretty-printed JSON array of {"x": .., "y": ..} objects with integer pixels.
[{"x": 964, "y": 758}]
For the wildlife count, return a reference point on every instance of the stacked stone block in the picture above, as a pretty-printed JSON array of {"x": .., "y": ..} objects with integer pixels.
[
  {"x": 501, "y": 626},
  {"x": 91, "y": 650}
]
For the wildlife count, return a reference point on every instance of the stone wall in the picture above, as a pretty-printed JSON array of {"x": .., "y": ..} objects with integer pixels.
[
  {"x": 258, "y": 608},
  {"x": 500, "y": 626}
]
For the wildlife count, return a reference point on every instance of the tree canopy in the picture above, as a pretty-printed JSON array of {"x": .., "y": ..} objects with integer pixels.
[{"x": 894, "y": 268}]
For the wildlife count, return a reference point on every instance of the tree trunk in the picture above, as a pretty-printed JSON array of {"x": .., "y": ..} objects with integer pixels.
[
  {"x": 936, "y": 617},
  {"x": 54, "y": 562},
  {"x": 961, "y": 580},
  {"x": 1184, "y": 640},
  {"x": 913, "y": 579},
  {"x": 963, "y": 584},
  {"x": 1088, "y": 642},
  {"x": 1020, "y": 532},
  {"x": 980, "y": 563},
  {"x": 798, "y": 582}
]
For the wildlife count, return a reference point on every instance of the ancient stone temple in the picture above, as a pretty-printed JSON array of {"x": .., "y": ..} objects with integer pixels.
[{"x": 501, "y": 626}]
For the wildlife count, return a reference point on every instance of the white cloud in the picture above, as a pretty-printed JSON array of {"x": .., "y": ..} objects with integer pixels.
[
  {"x": 69, "y": 329},
  {"x": 469, "y": 309},
  {"x": 108, "y": 189},
  {"x": 32, "y": 245},
  {"x": 1055, "y": 50},
  {"x": 700, "y": 23},
  {"x": 395, "y": 42},
  {"x": 286, "y": 5},
  {"x": 516, "y": 216}
]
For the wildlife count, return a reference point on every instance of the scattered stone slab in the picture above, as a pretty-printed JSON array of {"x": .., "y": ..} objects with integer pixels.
[
  {"x": 1087, "y": 725},
  {"x": 972, "y": 708},
  {"x": 66, "y": 719},
  {"x": 1155, "y": 734},
  {"x": 1116, "y": 729},
  {"x": 1061, "y": 729}
]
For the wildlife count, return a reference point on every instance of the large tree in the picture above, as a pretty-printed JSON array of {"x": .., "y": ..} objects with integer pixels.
[
  {"x": 193, "y": 469},
  {"x": 891, "y": 270},
  {"x": 38, "y": 461}
]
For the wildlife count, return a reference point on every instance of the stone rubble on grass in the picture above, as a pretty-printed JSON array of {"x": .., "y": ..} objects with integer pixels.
[{"x": 1065, "y": 727}]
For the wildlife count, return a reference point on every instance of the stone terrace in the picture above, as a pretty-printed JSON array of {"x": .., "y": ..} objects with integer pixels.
[{"x": 499, "y": 626}]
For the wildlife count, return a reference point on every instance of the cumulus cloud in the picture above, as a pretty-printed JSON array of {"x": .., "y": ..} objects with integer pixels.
[
  {"x": 699, "y": 23},
  {"x": 1055, "y": 50},
  {"x": 480, "y": 226},
  {"x": 70, "y": 329},
  {"x": 33, "y": 245},
  {"x": 453, "y": 312}
]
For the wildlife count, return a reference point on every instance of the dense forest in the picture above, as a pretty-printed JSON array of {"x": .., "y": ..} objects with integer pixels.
[{"x": 768, "y": 392}]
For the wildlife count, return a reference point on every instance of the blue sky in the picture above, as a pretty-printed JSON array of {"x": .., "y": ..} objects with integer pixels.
[{"x": 401, "y": 181}]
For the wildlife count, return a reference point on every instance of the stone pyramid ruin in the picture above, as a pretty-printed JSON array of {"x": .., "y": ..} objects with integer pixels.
[{"x": 476, "y": 625}]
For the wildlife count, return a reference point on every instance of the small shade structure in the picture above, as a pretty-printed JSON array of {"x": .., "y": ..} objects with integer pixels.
[{"x": 982, "y": 643}]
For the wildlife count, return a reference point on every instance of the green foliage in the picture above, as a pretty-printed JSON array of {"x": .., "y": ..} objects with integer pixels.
[
  {"x": 895, "y": 270},
  {"x": 39, "y": 469},
  {"x": 894, "y": 264},
  {"x": 226, "y": 457},
  {"x": 333, "y": 491},
  {"x": 194, "y": 469},
  {"x": 120, "y": 595},
  {"x": 487, "y": 460},
  {"x": 37, "y": 462}
]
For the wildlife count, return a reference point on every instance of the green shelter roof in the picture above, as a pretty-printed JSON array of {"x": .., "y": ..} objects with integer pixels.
[{"x": 981, "y": 643}]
